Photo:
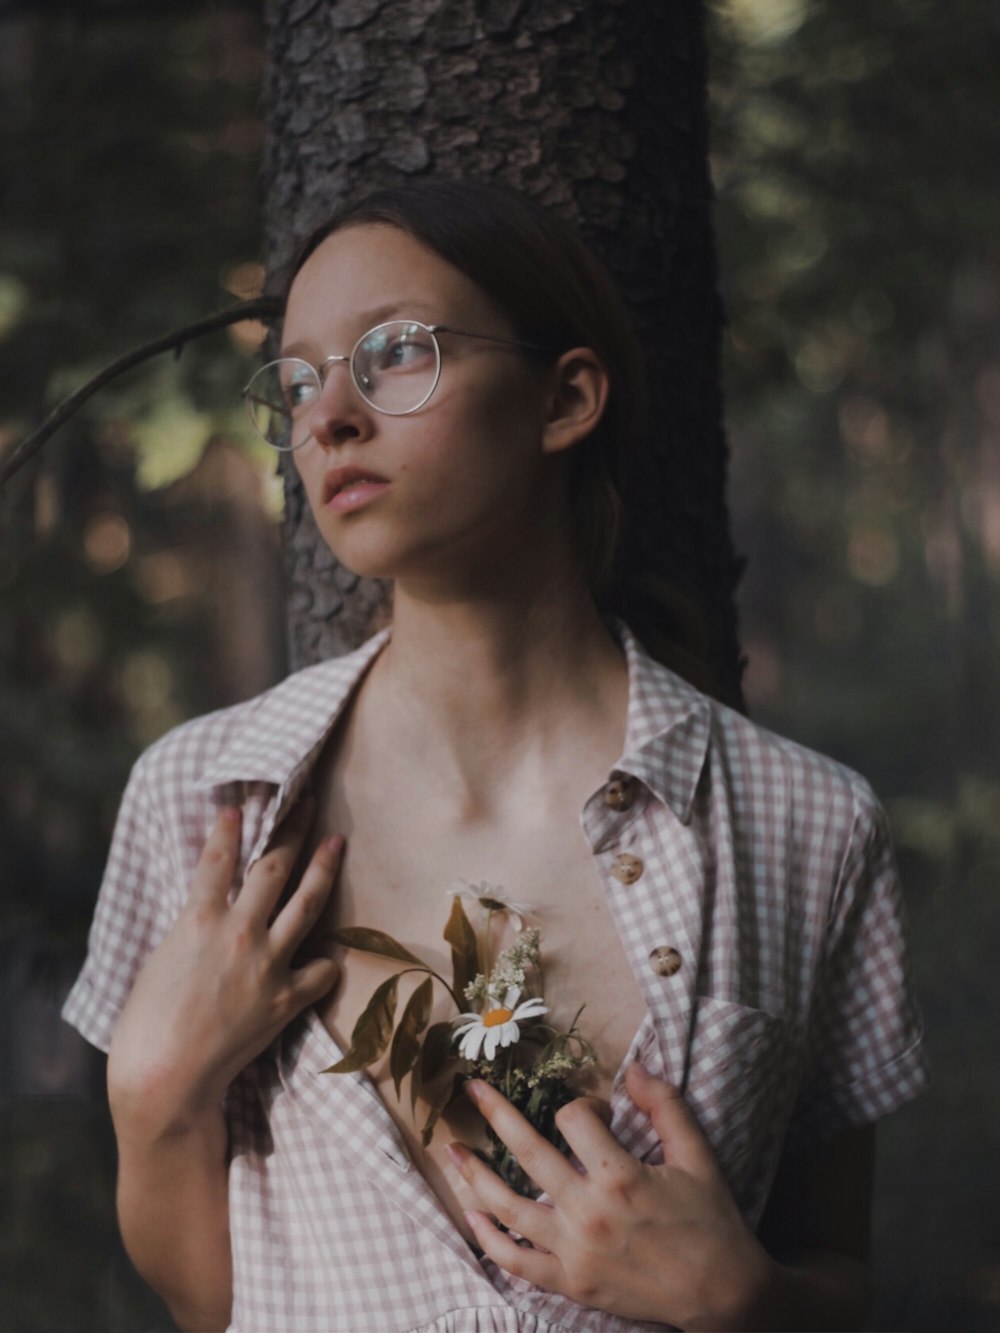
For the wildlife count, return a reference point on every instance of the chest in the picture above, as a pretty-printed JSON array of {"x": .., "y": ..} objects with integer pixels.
[{"x": 403, "y": 855}]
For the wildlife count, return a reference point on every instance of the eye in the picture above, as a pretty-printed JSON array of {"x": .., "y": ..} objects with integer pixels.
[
  {"x": 299, "y": 386},
  {"x": 397, "y": 347}
]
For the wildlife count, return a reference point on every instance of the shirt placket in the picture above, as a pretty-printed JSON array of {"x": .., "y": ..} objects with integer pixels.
[{"x": 652, "y": 872}]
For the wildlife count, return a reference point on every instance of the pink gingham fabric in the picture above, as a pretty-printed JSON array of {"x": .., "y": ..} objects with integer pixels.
[{"x": 769, "y": 870}]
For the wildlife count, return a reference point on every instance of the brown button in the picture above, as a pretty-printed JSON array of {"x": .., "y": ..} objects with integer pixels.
[
  {"x": 665, "y": 961},
  {"x": 619, "y": 793},
  {"x": 626, "y": 868}
]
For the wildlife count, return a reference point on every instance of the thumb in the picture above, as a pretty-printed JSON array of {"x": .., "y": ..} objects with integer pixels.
[{"x": 684, "y": 1145}]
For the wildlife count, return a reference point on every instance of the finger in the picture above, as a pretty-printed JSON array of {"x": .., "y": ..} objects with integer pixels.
[
  {"x": 683, "y": 1142},
  {"x": 543, "y": 1270},
  {"x": 304, "y": 907},
  {"x": 268, "y": 876},
  {"x": 213, "y": 876},
  {"x": 312, "y": 981},
  {"x": 598, "y": 1105},
  {"x": 535, "y": 1221},
  {"x": 542, "y": 1162},
  {"x": 586, "y": 1131}
]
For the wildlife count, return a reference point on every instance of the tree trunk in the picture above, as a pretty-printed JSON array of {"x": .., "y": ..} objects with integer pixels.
[{"x": 597, "y": 108}]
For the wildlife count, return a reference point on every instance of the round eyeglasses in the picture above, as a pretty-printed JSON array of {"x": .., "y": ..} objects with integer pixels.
[{"x": 395, "y": 368}]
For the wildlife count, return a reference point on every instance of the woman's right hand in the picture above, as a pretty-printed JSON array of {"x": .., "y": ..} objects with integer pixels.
[{"x": 221, "y": 985}]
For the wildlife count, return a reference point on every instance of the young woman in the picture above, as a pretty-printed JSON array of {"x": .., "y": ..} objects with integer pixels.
[{"x": 457, "y": 383}]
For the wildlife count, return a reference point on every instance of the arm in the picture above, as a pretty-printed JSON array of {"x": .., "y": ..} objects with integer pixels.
[
  {"x": 668, "y": 1244},
  {"x": 218, "y": 989},
  {"x": 173, "y": 1210},
  {"x": 816, "y": 1228}
]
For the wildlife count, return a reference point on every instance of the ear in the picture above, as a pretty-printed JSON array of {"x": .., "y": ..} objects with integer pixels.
[{"x": 579, "y": 395}]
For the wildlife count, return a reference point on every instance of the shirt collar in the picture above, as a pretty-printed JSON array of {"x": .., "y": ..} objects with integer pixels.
[
  {"x": 669, "y": 724},
  {"x": 281, "y": 733}
]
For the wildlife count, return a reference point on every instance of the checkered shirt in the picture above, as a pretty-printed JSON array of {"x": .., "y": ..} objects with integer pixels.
[{"x": 768, "y": 869}]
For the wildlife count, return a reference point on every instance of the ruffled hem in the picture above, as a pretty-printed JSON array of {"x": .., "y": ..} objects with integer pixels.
[
  {"x": 467, "y": 1319},
  {"x": 486, "y": 1319}
]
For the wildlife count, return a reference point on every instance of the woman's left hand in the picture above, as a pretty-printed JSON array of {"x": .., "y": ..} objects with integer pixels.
[{"x": 661, "y": 1243}]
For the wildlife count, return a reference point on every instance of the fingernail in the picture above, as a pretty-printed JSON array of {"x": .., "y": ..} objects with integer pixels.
[
  {"x": 334, "y": 843},
  {"x": 641, "y": 1070},
  {"x": 456, "y": 1153},
  {"x": 231, "y": 814},
  {"x": 475, "y": 1090}
]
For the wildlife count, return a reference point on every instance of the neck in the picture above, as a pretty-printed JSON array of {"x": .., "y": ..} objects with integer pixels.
[{"x": 491, "y": 687}]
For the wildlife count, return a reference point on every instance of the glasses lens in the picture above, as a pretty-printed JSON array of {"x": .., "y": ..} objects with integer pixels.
[
  {"x": 277, "y": 398},
  {"x": 396, "y": 366}
]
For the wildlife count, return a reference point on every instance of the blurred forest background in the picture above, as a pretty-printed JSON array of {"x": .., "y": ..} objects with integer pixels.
[{"x": 855, "y": 157}]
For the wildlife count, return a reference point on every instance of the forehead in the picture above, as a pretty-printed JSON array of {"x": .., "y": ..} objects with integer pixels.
[{"x": 368, "y": 272}]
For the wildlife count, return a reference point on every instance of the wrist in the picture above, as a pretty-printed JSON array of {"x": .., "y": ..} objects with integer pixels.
[
  {"x": 160, "y": 1104},
  {"x": 817, "y": 1289}
]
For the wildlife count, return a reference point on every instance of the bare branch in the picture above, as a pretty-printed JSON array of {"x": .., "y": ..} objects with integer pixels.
[{"x": 263, "y": 307}]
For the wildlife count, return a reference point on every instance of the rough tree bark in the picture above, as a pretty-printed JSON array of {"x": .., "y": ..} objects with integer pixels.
[{"x": 598, "y": 109}]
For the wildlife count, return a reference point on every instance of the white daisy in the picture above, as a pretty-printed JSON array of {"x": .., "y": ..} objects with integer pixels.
[
  {"x": 496, "y": 1026},
  {"x": 492, "y": 899}
]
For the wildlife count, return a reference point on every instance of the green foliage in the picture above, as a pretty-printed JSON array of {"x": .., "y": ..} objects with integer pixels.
[
  {"x": 129, "y": 159},
  {"x": 862, "y": 279}
]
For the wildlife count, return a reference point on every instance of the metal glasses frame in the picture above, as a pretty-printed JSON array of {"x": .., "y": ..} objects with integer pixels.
[{"x": 318, "y": 371}]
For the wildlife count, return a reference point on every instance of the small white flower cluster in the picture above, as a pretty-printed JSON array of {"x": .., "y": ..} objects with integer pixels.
[
  {"x": 513, "y": 962},
  {"x": 476, "y": 991},
  {"x": 559, "y": 1065}
]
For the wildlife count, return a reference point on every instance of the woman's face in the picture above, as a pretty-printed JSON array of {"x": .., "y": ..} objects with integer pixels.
[{"x": 461, "y": 482}]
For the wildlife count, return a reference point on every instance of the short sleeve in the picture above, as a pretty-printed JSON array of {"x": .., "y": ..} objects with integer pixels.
[
  {"x": 135, "y": 908},
  {"x": 864, "y": 1055}
]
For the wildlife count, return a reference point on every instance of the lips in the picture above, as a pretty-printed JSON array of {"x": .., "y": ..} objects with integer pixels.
[{"x": 343, "y": 478}]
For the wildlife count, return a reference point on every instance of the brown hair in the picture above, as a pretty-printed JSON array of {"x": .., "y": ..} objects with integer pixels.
[{"x": 556, "y": 293}]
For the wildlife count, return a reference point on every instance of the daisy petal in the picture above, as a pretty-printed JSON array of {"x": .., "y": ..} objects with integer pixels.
[{"x": 472, "y": 1041}]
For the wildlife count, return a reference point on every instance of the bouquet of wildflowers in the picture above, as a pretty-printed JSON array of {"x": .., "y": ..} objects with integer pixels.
[{"x": 498, "y": 1034}]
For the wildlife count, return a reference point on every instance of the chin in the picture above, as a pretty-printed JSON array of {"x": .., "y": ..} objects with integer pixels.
[{"x": 369, "y": 555}]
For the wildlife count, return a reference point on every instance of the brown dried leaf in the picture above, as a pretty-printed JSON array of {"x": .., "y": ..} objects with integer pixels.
[
  {"x": 373, "y": 941},
  {"x": 372, "y": 1030},
  {"x": 434, "y": 1055},
  {"x": 448, "y": 1094},
  {"x": 464, "y": 953},
  {"x": 405, "y": 1050}
]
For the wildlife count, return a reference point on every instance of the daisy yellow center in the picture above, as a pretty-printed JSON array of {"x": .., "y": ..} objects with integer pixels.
[{"x": 495, "y": 1017}]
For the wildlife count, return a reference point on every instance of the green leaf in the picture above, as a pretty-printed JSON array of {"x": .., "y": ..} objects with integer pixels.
[
  {"x": 464, "y": 954},
  {"x": 405, "y": 1051},
  {"x": 434, "y": 1055},
  {"x": 373, "y": 941},
  {"x": 371, "y": 1032},
  {"x": 448, "y": 1093}
]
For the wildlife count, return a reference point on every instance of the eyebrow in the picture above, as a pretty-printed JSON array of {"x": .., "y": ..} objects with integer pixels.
[{"x": 370, "y": 319}]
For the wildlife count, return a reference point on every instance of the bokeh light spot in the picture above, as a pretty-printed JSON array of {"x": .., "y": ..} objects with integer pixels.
[
  {"x": 77, "y": 639},
  {"x": 872, "y": 556},
  {"x": 107, "y": 542}
]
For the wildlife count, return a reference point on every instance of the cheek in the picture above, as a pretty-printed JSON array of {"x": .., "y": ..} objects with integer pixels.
[{"x": 309, "y": 474}]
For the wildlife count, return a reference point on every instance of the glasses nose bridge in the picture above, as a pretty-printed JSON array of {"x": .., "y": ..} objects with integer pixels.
[{"x": 326, "y": 363}]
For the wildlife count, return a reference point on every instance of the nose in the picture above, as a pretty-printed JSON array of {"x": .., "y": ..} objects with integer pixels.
[{"x": 340, "y": 414}]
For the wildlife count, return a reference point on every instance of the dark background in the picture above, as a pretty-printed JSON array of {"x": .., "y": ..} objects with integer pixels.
[{"x": 855, "y": 152}]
